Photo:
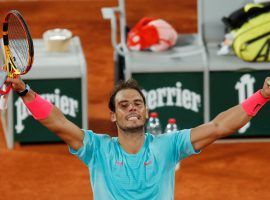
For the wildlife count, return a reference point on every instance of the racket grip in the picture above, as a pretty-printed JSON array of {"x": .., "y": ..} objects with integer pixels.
[
  {"x": 4, "y": 102},
  {"x": 39, "y": 107},
  {"x": 6, "y": 91}
]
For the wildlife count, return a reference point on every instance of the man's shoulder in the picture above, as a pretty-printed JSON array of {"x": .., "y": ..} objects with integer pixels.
[{"x": 97, "y": 136}]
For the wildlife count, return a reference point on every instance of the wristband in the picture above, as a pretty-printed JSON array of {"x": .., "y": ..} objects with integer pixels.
[
  {"x": 254, "y": 103},
  {"x": 24, "y": 92},
  {"x": 39, "y": 107}
]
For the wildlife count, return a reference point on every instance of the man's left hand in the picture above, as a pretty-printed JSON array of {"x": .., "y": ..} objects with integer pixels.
[{"x": 266, "y": 88}]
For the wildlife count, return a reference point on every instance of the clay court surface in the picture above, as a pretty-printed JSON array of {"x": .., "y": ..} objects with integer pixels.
[{"x": 227, "y": 171}]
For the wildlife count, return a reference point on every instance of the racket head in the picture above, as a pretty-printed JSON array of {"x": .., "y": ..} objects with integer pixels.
[{"x": 18, "y": 44}]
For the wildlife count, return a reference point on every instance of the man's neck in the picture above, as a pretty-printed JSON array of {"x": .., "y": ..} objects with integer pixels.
[{"x": 132, "y": 142}]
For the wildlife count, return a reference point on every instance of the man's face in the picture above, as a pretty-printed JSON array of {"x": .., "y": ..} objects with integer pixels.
[{"x": 130, "y": 112}]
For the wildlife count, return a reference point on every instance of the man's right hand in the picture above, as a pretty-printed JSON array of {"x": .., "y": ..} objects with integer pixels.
[{"x": 16, "y": 84}]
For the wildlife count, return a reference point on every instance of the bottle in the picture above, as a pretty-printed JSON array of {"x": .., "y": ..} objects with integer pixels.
[
  {"x": 171, "y": 126},
  {"x": 153, "y": 125}
]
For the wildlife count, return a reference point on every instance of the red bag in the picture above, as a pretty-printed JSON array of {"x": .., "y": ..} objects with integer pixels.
[{"x": 152, "y": 34}]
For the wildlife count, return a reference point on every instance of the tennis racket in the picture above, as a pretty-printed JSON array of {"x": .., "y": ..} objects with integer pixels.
[{"x": 18, "y": 49}]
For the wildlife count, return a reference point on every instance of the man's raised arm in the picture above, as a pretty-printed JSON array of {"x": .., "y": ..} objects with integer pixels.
[
  {"x": 48, "y": 115},
  {"x": 229, "y": 121}
]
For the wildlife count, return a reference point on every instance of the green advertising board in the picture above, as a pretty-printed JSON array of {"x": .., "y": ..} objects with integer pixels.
[
  {"x": 229, "y": 88},
  {"x": 66, "y": 94},
  {"x": 174, "y": 95}
]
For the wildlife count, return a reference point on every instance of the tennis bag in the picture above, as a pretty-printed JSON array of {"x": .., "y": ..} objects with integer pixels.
[{"x": 250, "y": 27}]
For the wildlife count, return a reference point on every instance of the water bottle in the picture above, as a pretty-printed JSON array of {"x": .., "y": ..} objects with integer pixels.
[
  {"x": 153, "y": 125},
  {"x": 171, "y": 126}
]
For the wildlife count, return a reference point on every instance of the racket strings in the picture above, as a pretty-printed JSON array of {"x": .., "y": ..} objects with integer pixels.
[{"x": 18, "y": 43}]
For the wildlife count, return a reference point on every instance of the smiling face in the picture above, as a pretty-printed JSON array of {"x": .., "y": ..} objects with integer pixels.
[{"x": 130, "y": 111}]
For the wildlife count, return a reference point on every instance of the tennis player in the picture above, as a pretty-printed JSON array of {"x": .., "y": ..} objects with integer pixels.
[{"x": 136, "y": 165}]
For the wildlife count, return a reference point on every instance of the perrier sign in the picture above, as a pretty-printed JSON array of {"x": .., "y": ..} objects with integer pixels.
[
  {"x": 63, "y": 93},
  {"x": 174, "y": 95}
]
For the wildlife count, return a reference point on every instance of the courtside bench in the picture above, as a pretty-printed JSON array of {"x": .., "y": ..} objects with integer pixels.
[{"x": 175, "y": 82}]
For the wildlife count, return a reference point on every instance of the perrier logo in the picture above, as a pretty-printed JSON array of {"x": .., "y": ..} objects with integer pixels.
[
  {"x": 67, "y": 105},
  {"x": 176, "y": 96}
]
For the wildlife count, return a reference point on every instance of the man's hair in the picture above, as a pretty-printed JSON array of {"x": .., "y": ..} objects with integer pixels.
[{"x": 123, "y": 85}]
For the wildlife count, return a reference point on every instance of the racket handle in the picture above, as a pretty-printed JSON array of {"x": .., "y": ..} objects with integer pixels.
[
  {"x": 6, "y": 91},
  {"x": 4, "y": 96},
  {"x": 4, "y": 102}
]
